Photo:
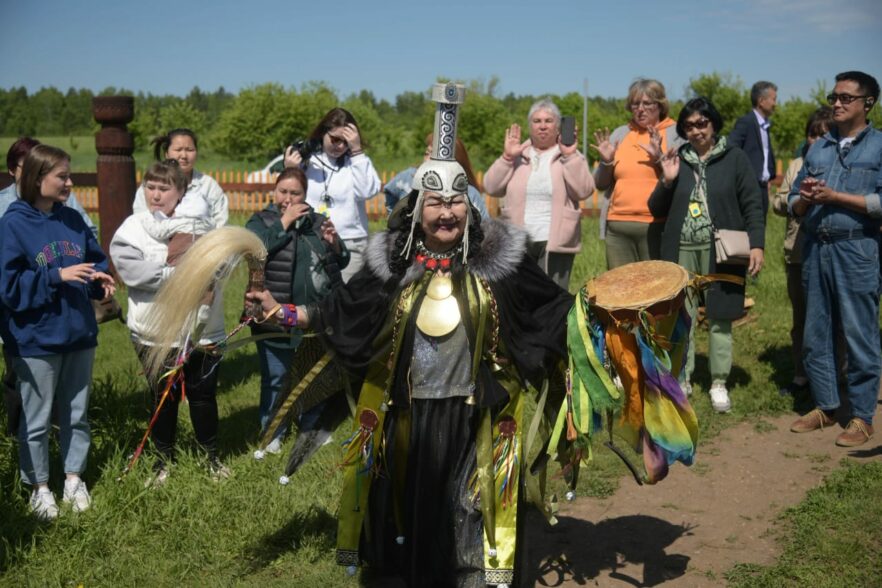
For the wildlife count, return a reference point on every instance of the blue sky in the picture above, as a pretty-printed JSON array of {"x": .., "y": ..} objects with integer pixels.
[{"x": 390, "y": 47}]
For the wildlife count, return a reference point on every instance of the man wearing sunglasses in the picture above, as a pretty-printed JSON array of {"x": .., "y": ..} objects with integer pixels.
[
  {"x": 838, "y": 193},
  {"x": 751, "y": 134}
]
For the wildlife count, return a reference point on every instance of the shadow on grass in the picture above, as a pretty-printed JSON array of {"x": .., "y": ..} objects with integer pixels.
[
  {"x": 578, "y": 551},
  {"x": 237, "y": 368},
  {"x": 238, "y": 430},
  {"x": 315, "y": 526},
  {"x": 119, "y": 410},
  {"x": 19, "y": 530},
  {"x": 738, "y": 376},
  {"x": 118, "y": 413},
  {"x": 779, "y": 358}
]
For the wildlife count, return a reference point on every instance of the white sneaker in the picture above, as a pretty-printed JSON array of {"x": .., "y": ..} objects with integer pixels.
[
  {"x": 76, "y": 494},
  {"x": 275, "y": 447},
  {"x": 43, "y": 504},
  {"x": 720, "y": 397}
]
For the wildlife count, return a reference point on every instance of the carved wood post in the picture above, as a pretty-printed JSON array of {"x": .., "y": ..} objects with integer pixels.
[{"x": 116, "y": 166}]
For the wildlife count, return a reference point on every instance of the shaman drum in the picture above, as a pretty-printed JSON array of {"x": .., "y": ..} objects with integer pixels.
[
  {"x": 619, "y": 295},
  {"x": 645, "y": 330}
]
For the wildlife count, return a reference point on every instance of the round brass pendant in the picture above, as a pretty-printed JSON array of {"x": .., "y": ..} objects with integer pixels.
[
  {"x": 440, "y": 287},
  {"x": 439, "y": 312}
]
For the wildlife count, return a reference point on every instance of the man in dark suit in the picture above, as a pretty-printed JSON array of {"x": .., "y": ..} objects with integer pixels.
[{"x": 751, "y": 134}]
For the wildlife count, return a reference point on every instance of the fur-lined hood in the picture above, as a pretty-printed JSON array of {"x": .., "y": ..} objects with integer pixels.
[{"x": 502, "y": 249}]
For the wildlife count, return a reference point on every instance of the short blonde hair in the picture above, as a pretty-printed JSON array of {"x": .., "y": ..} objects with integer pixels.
[{"x": 654, "y": 90}]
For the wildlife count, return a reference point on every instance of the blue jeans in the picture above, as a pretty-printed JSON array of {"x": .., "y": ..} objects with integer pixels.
[
  {"x": 841, "y": 281},
  {"x": 275, "y": 364},
  {"x": 62, "y": 380}
]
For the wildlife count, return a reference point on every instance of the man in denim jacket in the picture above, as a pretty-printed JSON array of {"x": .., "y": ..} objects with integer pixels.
[{"x": 838, "y": 192}]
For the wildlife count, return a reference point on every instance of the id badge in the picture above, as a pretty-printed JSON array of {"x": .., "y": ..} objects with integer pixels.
[{"x": 695, "y": 209}]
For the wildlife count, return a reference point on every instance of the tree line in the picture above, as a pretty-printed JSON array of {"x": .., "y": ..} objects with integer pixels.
[{"x": 256, "y": 123}]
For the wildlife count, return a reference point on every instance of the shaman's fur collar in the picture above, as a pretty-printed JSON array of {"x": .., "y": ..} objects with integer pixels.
[{"x": 502, "y": 249}]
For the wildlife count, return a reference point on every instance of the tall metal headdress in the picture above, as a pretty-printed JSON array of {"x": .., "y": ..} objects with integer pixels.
[{"x": 441, "y": 174}]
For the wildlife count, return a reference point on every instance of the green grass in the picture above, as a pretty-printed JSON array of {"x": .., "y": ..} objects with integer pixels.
[
  {"x": 83, "y": 156},
  {"x": 250, "y": 530},
  {"x": 831, "y": 539}
]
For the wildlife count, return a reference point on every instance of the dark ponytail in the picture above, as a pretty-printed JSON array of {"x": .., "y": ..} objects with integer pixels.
[{"x": 163, "y": 142}]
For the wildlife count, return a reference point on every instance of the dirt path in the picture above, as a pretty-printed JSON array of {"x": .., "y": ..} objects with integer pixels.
[{"x": 700, "y": 521}]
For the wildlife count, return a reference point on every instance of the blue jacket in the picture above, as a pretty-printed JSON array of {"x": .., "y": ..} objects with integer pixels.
[
  {"x": 41, "y": 314},
  {"x": 859, "y": 171}
]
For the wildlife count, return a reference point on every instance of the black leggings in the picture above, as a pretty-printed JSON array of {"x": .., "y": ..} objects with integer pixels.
[{"x": 200, "y": 379}]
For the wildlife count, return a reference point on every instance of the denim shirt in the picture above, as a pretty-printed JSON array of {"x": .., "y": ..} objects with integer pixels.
[{"x": 859, "y": 171}]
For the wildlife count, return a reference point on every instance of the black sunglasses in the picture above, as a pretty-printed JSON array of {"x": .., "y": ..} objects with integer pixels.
[
  {"x": 699, "y": 124},
  {"x": 845, "y": 99}
]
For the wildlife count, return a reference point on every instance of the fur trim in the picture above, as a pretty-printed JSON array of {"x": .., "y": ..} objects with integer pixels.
[
  {"x": 503, "y": 248},
  {"x": 501, "y": 252}
]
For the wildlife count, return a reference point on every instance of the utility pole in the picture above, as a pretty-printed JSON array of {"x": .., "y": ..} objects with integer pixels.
[{"x": 585, "y": 120}]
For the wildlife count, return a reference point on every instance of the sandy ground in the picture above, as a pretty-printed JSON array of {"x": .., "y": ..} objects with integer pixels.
[{"x": 700, "y": 521}]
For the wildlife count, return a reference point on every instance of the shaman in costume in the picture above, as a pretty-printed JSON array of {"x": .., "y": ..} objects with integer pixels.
[{"x": 446, "y": 324}]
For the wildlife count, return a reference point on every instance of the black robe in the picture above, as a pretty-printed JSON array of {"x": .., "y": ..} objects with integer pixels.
[{"x": 442, "y": 526}]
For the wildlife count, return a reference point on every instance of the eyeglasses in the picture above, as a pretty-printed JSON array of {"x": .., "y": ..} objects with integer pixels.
[
  {"x": 845, "y": 99},
  {"x": 645, "y": 104},
  {"x": 336, "y": 140},
  {"x": 699, "y": 124}
]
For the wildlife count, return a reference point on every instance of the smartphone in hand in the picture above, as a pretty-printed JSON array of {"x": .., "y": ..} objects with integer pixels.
[
  {"x": 808, "y": 185},
  {"x": 567, "y": 130}
]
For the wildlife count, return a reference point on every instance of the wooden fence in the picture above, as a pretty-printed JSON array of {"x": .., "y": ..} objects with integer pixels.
[{"x": 250, "y": 197}]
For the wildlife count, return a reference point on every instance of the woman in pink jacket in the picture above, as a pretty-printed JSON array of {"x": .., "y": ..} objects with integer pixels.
[{"x": 543, "y": 181}]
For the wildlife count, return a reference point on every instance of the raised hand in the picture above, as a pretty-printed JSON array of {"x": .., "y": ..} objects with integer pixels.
[
  {"x": 670, "y": 163},
  {"x": 606, "y": 149},
  {"x": 654, "y": 148},
  {"x": 329, "y": 234},
  {"x": 567, "y": 150},
  {"x": 292, "y": 213},
  {"x": 513, "y": 147},
  {"x": 353, "y": 139},
  {"x": 292, "y": 157}
]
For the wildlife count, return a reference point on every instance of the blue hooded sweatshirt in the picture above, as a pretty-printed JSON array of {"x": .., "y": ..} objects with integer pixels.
[{"x": 42, "y": 315}]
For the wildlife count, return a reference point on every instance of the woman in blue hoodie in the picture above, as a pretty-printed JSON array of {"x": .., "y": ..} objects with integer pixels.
[{"x": 50, "y": 267}]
